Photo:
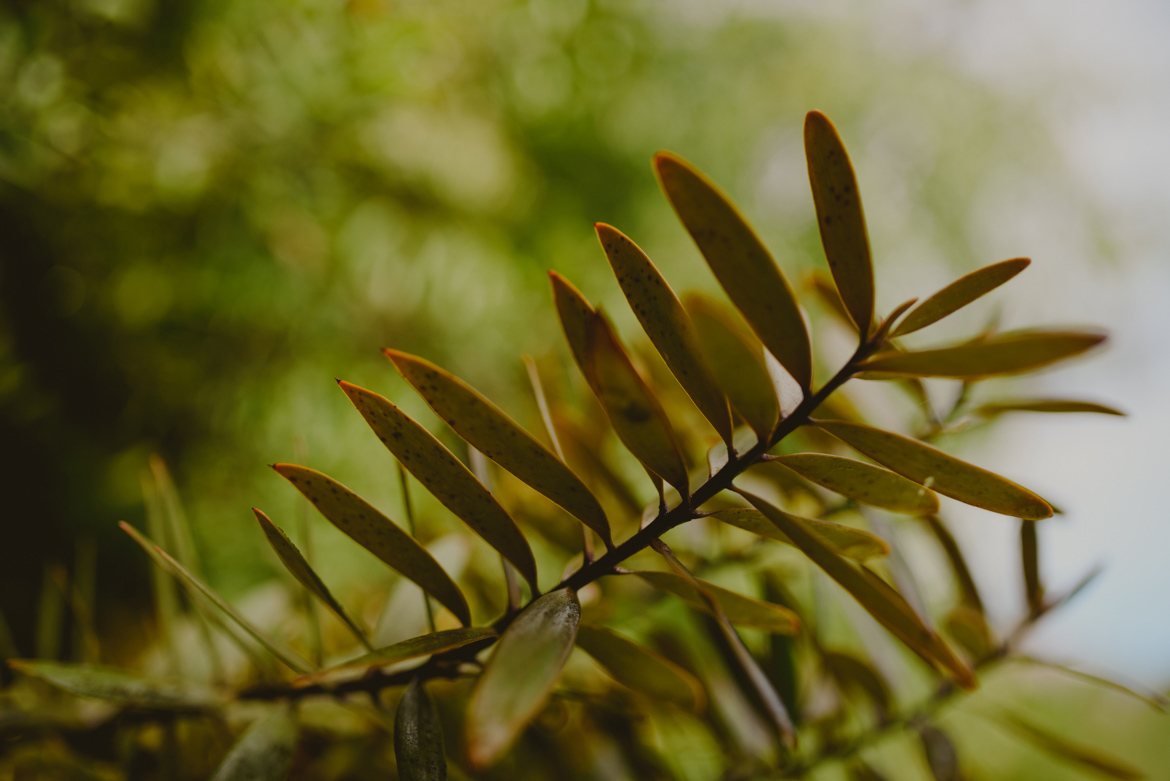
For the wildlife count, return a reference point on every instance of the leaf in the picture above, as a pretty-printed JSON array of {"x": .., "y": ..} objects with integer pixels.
[
  {"x": 881, "y": 602},
  {"x": 299, "y": 568},
  {"x": 852, "y": 673},
  {"x": 575, "y": 314},
  {"x": 446, "y": 477},
  {"x": 418, "y": 737},
  {"x": 264, "y": 753},
  {"x": 969, "y": 629},
  {"x": 1061, "y": 748},
  {"x": 1030, "y": 563},
  {"x": 940, "y": 753},
  {"x": 959, "y": 293},
  {"x": 489, "y": 430},
  {"x": 739, "y": 609},
  {"x": 520, "y": 674},
  {"x": 968, "y": 591},
  {"x": 1158, "y": 702},
  {"x": 994, "y": 409},
  {"x": 946, "y": 474},
  {"x": 740, "y": 262},
  {"x": 840, "y": 217},
  {"x": 667, "y": 324},
  {"x": 844, "y": 540},
  {"x": 641, "y": 669},
  {"x": 635, "y": 413},
  {"x": 862, "y": 482},
  {"x": 122, "y": 688},
  {"x": 736, "y": 358},
  {"x": 415, "y": 647},
  {"x": 1013, "y": 352},
  {"x": 369, "y": 528}
]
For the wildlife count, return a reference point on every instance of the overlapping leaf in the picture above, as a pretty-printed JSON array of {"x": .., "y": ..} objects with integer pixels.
[
  {"x": 414, "y": 648},
  {"x": 418, "y": 737},
  {"x": 854, "y": 674},
  {"x": 739, "y": 609},
  {"x": 1061, "y": 748},
  {"x": 264, "y": 752},
  {"x": 845, "y": 540},
  {"x": 740, "y": 262},
  {"x": 997, "y": 408},
  {"x": 575, "y": 313},
  {"x": 1007, "y": 353},
  {"x": 959, "y": 293},
  {"x": 368, "y": 527},
  {"x": 445, "y": 476},
  {"x": 117, "y": 686},
  {"x": 943, "y": 473},
  {"x": 862, "y": 482},
  {"x": 641, "y": 669}
]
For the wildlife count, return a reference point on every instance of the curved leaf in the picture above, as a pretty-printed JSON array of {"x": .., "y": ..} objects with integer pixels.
[
  {"x": 997, "y": 408},
  {"x": 369, "y": 528},
  {"x": 1008, "y": 353},
  {"x": 414, "y": 648},
  {"x": 844, "y": 540},
  {"x": 740, "y": 262},
  {"x": 445, "y": 476},
  {"x": 641, "y": 669},
  {"x": 575, "y": 314},
  {"x": 418, "y": 737},
  {"x": 122, "y": 688},
  {"x": 968, "y": 591},
  {"x": 264, "y": 752},
  {"x": 946, "y": 474},
  {"x": 520, "y": 674},
  {"x": 959, "y": 293},
  {"x": 840, "y": 217},
  {"x": 736, "y": 358},
  {"x": 941, "y": 755},
  {"x": 854, "y": 674},
  {"x": 739, "y": 609},
  {"x": 862, "y": 482},
  {"x": 1061, "y": 748},
  {"x": 490, "y": 431},
  {"x": 970, "y": 630}
]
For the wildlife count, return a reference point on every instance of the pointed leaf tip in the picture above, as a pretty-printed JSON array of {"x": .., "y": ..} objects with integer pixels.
[{"x": 959, "y": 293}]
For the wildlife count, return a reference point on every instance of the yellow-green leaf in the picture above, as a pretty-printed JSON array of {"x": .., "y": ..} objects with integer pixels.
[
  {"x": 641, "y": 669},
  {"x": 490, "y": 431},
  {"x": 378, "y": 534},
  {"x": 852, "y": 673},
  {"x": 418, "y": 737},
  {"x": 1007, "y": 353},
  {"x": 1061, "y": 748},
  {"x": 970, "y": 630},
  {"x": 446, "y": 477},
  {"x": 295, "y": 563},
  {"x": 414, "y": 648},
  {"x": 521, "y": 673},
  {"x": 994, "y": 409},
  {"x": 844, "y": 540},
  {"x": 892, "y": 613},
  {"x": 863, "y": 482},
  {"x": 736, "y": 358},
  {"x": 943, "y": 473},
  {"x": 632, "y": 408},
  {"x": 959, "y": 293},
  {"x": 575, "y": 313},
  {"x": 117, "y": 686},
  {"x": 739, "y": 609},
  {"x": 941, "y": 755},
  {"x": 264, "y": 752},
  {"x": 740, "y": 262},
  {"x": 840, "y": 217}
]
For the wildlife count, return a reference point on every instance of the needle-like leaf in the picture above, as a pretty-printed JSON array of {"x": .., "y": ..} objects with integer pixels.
[
  {"x": 997, "y": 408},
  {"x": 641, "y": 669},
  {"x": 844, "y": 540},
  {"x": 959, "y": 293},
  {"x": 414, "y": 648},
  {"x": 1014, "y": 352},
  {"x": 862, "y": 482}
]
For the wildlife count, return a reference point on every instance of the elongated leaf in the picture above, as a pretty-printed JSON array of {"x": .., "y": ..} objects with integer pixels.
[
  {"x": 575, "y": 313},
  {"x": 264, "y": 753},
  {"x": 860, "y": 771},
  {"x": 414, "y": 648},
  {"x": 854, "y": 674},
  {"x": 489, "y": 430},
  {"x": 946, "y": 474},
  {"x": 1008, "y": 353},
  {"x": 1158, "y": 702},
  {"x": 1061, "y": 748},
  {"x": 740, "y": 262},
  {"x": 863, "y": 482},
  {"x": 968, "y": 591},
  {"x": 970, "y": 630},
  {"x": 635, "y": 413},
  {"x": 641, "y": 669},
  {"x": 1030, "y": 562},
  {"x": 520, "y": 674},
  {"x": 941, "y": 755},
  {"x": 840, "y": 217},
  {"x": 117, "y": 686},
  {"x": 959, "y": 293},
  {"x": 736, "y": 358},
  {"x": 667, "y": 324},
  {"x": 445, "y": 477},
  {"x": 369, "y": 528},
  {"x": 844, "y": 540},
  {"x": 739, "y": 609},
  {"x": 894, "y": 614},
  {"x": 822, "y": 285},
  {"x": 296, "y": 564},
  {"x": 418, "y": 737},
  {"x": 997, "y": 408}
]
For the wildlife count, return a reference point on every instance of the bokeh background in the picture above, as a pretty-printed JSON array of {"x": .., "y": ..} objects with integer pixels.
[{"x": 209, "y": 210}]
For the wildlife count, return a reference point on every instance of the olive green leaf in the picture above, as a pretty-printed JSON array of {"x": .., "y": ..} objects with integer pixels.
[
  {"x": 369, "y": 528},
  {"x": 739, "y": 609},
  {"x": 520, "y": 674},
  {"x": 641, "y": 669},
  {"x": 635, "y": 413},
  {"x": 1030, "y": 563},
  {"x": 446, "y": 477},
  {"x": 822, "y": 286},
  {"x": 862, "y": 482},
  {"x": 736, "y": 358},
  {"x": 880, "y": 601},
  {"x": 995, "y": 409},
  {"x": 667, "y": 324},
  {"x": 740, "y": 262},
  {"x": 116, "y": 686},
  {"x": 296, "y": 564},
  {"x": 489, "y": 430},
  {"x": 970, "y": 630},
  {"x": 575, "y": 314},
  {"x": 264, "y": 752},
  {"x": 844, "y": 540},
  {"x": 959, "y": 293},
  {"x": 854, "y": 674},
  {"x": 943, "y": 473},
  {"x": 968, "y": 591},
  {"x": 840, "y": 217},
  {"x": 1013, "y": 352},
  {"x": 418, "y": 737},
  {"x": 941, "y": 755},
  {"x": 1158, "y": 702},
  {"x": 1059, "y": 747},
  {"x": 414, "y": 648}
]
